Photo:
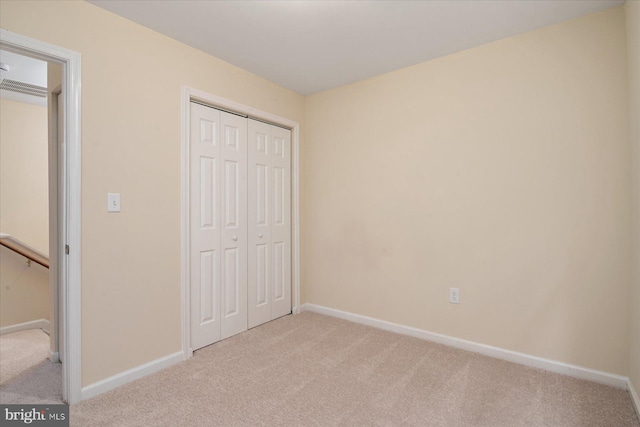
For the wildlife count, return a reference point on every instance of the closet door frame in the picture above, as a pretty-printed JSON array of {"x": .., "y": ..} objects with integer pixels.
[{"x": 188, "y": 95}]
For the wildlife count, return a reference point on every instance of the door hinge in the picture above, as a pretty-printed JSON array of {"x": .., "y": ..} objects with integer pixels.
[{"x": 66, "y": 249}]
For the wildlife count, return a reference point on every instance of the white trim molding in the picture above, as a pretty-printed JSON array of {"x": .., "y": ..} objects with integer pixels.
[
  {"x": 133, "y": 374},
  {"x": 33, "y": 324},
  {"x": 46, "y": 326},
  {"x": 634, "y": 397},
  {"x": 69, "y": 197},
  {"x": 189, "y": 94},
  {"x": 580, "y": 372}
]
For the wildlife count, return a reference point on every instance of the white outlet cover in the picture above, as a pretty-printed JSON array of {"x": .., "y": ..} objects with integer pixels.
[
  {"x": 454, "y": 295},
  {"x": 113, "y": 202}
]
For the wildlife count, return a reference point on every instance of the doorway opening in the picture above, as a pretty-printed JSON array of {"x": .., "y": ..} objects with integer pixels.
[
  {"x": 30, "y": 371},
  {"x": 63, "y": 212}
]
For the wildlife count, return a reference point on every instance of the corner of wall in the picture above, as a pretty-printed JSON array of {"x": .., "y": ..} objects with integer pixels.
[{"x": 632, "y": 15}]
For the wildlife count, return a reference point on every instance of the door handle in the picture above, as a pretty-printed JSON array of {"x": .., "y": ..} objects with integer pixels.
[
  {"x": 235, "y": 238},
  {"x": 260, "y": 235}
]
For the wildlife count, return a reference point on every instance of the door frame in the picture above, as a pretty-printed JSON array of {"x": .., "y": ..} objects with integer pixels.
[
  {"x": 53, "y": 118},
  {"x": 190, "y": 94},
  {"x": 69, "y": 204}
]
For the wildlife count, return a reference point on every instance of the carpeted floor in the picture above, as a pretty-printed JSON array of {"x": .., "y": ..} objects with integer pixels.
[
  {"x": 313, "y": 370},
  {"x": 26, "y": 375}
]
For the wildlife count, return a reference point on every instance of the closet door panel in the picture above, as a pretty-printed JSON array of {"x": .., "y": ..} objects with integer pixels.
[
  {"x": 234, "y": 224},
  {"x": 205, "y": 225},
  {"x": 269, "y": 222},
  {"x": 260, "y": 201},
  {"x": 281, "y": 224}
]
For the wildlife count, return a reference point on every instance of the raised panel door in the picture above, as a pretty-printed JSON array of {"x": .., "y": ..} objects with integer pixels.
[
  {"x": 260, "y": 200},
  {"x": 234, "y": 224},
  {"x": 281, "y": 224},
  {"x": 205, "y": 225},
  {"x": 269, "y": 253}
]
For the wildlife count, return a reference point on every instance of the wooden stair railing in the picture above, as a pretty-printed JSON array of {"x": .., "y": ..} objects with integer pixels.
[{"x": 23, "y": 249}]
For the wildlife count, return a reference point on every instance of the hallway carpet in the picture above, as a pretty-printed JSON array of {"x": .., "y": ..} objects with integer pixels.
[
  {"x": 313, "y": 370},
  {"x": 26, "y": 375}
]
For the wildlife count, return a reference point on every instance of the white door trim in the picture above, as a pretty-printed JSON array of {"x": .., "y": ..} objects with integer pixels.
[
  {"x": 69, "y": 198},
  {"x": 189, "y": 94}
]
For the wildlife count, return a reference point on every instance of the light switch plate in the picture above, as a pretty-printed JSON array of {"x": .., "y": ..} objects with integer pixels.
[{"x": 113, "y": 202}]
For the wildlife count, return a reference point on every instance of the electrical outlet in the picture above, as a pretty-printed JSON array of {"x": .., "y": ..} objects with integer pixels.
[
  {"x": 113, "y": 202},
  {"x": 454, "y": 295}
]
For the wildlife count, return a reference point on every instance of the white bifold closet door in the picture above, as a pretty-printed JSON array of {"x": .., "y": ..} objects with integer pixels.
[
  {"x": 218, "y": 225},
  {"x": 269, "y": 222}
]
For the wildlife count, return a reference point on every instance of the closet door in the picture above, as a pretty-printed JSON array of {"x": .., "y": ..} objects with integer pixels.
[
  {"x": 218, "y": 225},
  {"x": 281, "y": 224},
  {"x": 269, "y": 222},
  {"x": 234, "y": 224},
  {"x": 204, "y": 225}
]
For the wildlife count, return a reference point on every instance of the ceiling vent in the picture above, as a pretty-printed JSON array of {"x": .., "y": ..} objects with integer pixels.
[{"x": 27, "y": 89}]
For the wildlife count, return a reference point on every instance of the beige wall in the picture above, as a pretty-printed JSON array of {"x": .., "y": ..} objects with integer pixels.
[
  {"x": 24, "y": 191},
  {"x": 24, "y": 289},
  {"x": 131, "y": 82},
  {"x": 501, "y": 170},
  {"x": 632, "y": 9},
  {"x": 24, "y": 210}
]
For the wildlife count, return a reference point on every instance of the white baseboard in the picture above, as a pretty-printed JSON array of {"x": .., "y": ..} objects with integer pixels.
[
  {"x": 634, "y": 397},
  {"x": 131, "y": 375},
  {"x": 487, "y": 350},
  {"x": 33, "y": 324}
]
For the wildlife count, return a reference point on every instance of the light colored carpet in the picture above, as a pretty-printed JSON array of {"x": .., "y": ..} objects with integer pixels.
[
  {"x": 313, "y": 370},
  {"x": 26, "y": 375}
]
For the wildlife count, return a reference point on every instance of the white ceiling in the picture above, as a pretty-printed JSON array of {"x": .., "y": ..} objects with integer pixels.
[{"x": 311, "y": 46}]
